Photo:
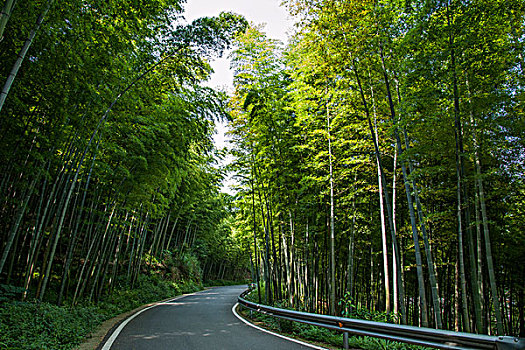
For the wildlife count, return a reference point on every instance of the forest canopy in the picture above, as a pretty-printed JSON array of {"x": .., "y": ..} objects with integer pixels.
[
  {"x": 380, "y": 160},
  {"x": 379, "y": 156},
  {"x": 108, "y": 168}
]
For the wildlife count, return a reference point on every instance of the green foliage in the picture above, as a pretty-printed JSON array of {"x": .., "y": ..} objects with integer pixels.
[
  {"x": 33, "y": 325},
  {"x": 107, "y": 160},
  {"x": 148, "y": 288},
  {"x": 9, "y": 292},
  {"x": 370, "y": 343},
  {"x": 315, "y": 333},
  {"x": 443, "y": 78},
  {"x": 351, "y": 310},
  {"x": 116, "y": 128},
  {"x": 323, "y": 335},
  {"x": 192, "y": 266}
]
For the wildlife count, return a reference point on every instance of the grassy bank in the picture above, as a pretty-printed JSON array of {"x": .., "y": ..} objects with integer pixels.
[
  {"x": 322, "y": 336},
  {"x": 39, "y": 325}
]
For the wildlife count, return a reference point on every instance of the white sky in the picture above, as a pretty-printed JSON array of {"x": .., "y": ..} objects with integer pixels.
[
  {"x": 269, "y": 12},
  {"x": 277, "y": 26}
]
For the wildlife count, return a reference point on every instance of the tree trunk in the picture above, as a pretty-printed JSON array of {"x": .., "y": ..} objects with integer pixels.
[
  {"x": 4, "y": 16},
  {"x": 266, "y": 275},
  {"x": 397, "y": 255},
  {"x": 351, "y": 250},
  {"x": 521, "y": 309},
  {"x": 479, "y": 254},
  {"x": 22, "y": 54},
  {"x": 415, "y": 237},
  {"x": 287, "y": 263},
  {"x": 482, "y": 326},
  {"x": 86, "y": 267},
  {"x": 14, "y": 230},
  {"x": 382, "y": 215},
  {"x": 75, "y": 230},
  {"x": 460, "y": 175},
  {"x": 488, "y": 250},
  {"x": 168, "y": 244},
  {"x": 35, "y": 241},
  {"x": 332, "y": 220},
  {"x": 428, "y": 252},
  {"x": 394, "y": 264},
  {"x": 118, "y": 253},
  {"x": 257, "y": 273}
]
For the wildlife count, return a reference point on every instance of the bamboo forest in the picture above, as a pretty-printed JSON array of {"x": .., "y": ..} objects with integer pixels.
[{"x": 378, "y": 160}]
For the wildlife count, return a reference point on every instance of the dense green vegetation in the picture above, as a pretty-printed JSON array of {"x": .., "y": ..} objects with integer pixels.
[
  {"x": 323, "y": 336},
  {"x": 380, "y": 161},
  {"x": 109, "y": 181},
  {"x": 42, "y": 325},
  {"x": 379, "y": 157}
]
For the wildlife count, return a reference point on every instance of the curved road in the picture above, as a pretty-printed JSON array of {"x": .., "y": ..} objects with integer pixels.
[{"x": 202, "y": 320}]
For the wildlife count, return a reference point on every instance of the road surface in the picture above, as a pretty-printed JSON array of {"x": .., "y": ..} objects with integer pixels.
[{"x": 200, "y": 321}]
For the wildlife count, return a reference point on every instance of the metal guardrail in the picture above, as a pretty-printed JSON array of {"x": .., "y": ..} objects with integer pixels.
[{"x": 435, "y": 338}]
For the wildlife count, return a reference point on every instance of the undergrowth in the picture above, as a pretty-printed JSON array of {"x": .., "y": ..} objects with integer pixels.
[
  {"x": 33, "y": 325},
  {"x": 40, "y": 325},
  {"x": 323, "y": 335}
]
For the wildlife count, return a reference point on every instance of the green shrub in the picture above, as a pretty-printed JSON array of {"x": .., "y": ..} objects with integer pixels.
[
  {"x": 353, "y": 311},
  {"x": 32, "y": 325},
  {"x": 148, "y": 289},
  {"x": 9, "y": 292},
  {"x": 323, "y": 335},
  {"x": 369, "y": 343},
  {"x": 286, "y": 326}
]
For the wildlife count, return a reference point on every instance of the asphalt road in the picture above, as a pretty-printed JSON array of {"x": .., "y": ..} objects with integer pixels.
[{"x": 200, "y": 321}]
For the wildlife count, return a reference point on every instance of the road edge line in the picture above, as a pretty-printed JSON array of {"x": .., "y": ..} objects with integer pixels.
[
  {"x": 273, "y": 333},
  {"x": 107, "y": 345}
]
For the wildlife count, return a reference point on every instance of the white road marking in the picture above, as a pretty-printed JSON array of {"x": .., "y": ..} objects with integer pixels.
[
  {"x": 115, "y": 334},
  {"x": 276, "y": 334}
]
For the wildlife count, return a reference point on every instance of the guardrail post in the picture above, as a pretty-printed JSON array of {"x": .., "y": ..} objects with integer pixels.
[{"x": 345, "y": 340}]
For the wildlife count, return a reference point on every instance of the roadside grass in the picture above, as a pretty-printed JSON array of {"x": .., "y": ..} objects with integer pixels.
[
  {"x": 321, "y": 336},
  {"x": 33, "y": 325},
  {"x": 41, "y": 325}
]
